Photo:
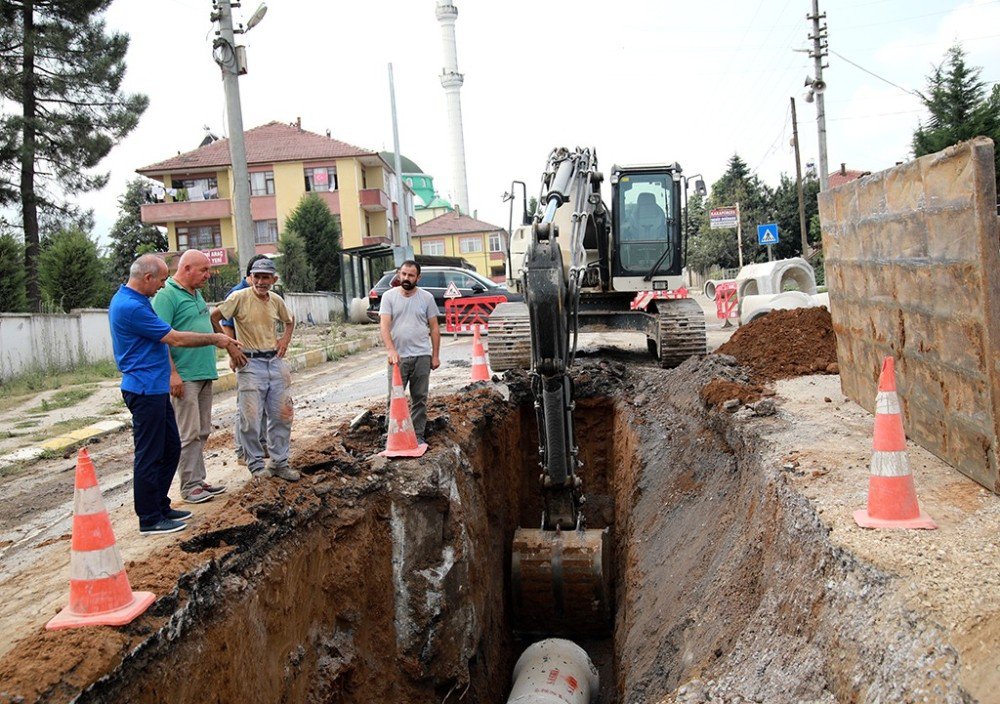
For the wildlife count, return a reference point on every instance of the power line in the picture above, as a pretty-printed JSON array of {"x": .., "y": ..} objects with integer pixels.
[{"x": 872, "y": 73}]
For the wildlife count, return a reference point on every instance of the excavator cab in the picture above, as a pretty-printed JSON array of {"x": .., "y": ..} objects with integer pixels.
[{"x": 646, "y": 227}]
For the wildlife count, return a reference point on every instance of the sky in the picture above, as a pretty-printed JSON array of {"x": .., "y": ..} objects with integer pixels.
[{"x": 642, "y": 81}]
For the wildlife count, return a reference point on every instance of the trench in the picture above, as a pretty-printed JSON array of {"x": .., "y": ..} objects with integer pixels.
[{"x": 392, "y": 586}]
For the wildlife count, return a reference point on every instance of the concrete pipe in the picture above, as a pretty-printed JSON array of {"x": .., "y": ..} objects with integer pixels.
[
  {"x": 554, "y": 671},
  {"x": 712, "y": 284}
]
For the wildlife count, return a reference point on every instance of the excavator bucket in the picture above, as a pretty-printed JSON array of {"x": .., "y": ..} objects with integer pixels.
[{"x": 561, "y": 582}]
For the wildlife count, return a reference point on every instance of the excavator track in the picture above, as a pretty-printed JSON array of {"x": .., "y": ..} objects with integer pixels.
[
  {"x": 682, "y": 331},
  {"x": 510, "y": 337}
]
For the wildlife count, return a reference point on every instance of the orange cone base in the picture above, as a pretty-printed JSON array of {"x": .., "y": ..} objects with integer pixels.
[
  {"x": 480, "y": 374},
  {"x": 118, "y": 617},
  {"x": 417, "y": 451},
  {"x": 922, "y": 521}
]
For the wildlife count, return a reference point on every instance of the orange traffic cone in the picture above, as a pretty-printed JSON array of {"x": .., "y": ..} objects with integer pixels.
[
  {"x": 480, "y": 370},
  {"x": 402, "y": 440},
  {"x": 99, "y": 592},
  {"x": 892, "y": 498}
]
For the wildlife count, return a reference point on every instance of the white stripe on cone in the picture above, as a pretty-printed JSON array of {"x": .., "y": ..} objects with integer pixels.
[
  {"x": 890, "y": 464},
  {"x": 887, "y": 403},
  {"x": 95, "y": 564},
  {"x": 87, "y": 502}
]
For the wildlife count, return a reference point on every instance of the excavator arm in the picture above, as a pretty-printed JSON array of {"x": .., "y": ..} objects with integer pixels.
[{"x": 560, "y": 571}]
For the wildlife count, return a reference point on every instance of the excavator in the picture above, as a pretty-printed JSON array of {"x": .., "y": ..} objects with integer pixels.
[{"x": 582, "y": 266}]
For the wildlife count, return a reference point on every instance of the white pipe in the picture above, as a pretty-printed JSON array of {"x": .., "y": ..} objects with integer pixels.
[{"x": 554, "y": 671}]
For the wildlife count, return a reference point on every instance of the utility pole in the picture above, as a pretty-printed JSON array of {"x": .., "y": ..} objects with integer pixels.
[
  {"x": 819, "y": 50},
  {"x": 224, "y": 52},
  {"x": 798, "y": 183}
]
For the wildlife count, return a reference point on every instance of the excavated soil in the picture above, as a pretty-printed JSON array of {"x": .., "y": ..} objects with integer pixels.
[
  {"x": 786, "y": 343},
  {"x": 385, "y": 581}
]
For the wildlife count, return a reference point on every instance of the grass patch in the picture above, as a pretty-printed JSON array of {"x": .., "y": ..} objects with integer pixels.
[
  {"x": 13, "y": 391},
  {"x": 65, "y": 398},
  {"x": 64, "y": 426}
]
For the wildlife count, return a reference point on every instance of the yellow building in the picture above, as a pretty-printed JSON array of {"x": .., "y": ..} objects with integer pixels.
[
  {"x": 456, "y": 235},
  {"x": 285, "y": 163}
]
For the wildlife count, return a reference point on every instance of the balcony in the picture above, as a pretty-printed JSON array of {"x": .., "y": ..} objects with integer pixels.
[
  {"x": 193, "y": 210},
  {"x": 373, "y": 200}
]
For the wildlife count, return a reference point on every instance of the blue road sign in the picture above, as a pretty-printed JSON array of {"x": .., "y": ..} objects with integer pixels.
[{"x": 767, "y": 234}]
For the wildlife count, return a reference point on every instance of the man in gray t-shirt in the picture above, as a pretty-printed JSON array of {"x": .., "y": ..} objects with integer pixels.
[{"x": 409, "y": 326}]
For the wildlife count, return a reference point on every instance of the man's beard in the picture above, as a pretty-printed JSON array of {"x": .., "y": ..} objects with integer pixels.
[{"x": 408, "y": 285}]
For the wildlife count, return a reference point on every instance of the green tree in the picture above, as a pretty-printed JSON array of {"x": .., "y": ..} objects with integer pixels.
[
  {"x": 12, "y": 297},
  {"x": 296, "y": 273},
  {"x": 717, "y": 248},
  {"x": 320, "y": 230},
  {"x": 130, "y": 237},
  {"x": 64, "y": 70},
  {"x": 785, "y": 207},
  {"x": 71, "y": 273},
  {"x": 959, "y": 107}
]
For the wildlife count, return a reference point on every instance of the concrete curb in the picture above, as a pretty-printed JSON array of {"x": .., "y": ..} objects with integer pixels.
[{"x": 226, "y": 382}]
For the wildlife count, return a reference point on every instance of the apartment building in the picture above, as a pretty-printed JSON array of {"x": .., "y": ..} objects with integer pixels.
[
  {"x": 285, "y": 162},
  {"x": 456, "y": 235}
]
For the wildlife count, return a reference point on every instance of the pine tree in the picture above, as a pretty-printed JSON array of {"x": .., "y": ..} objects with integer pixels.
[
  {"x": 65, "y": 71},
  {"x": 320, "y": 230},
  {"x": 70, "y": 271},
  {"x": 12, "y": 298},
  {"x": 296, "y": 272},
  {"x": 959, "y": 107},
  {"x": 717, "y": 248},
  {"x": 129, "y": 236}
]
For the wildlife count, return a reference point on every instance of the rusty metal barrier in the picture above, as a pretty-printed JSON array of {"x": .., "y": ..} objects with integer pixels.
[{"x": 464, "y": 314}]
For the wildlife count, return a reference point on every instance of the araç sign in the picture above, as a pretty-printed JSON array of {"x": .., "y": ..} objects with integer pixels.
[{"x": 218, "y": 256}]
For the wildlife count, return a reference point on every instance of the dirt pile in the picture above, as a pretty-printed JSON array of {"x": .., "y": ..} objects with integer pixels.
[{"x": 786, "y": 343}]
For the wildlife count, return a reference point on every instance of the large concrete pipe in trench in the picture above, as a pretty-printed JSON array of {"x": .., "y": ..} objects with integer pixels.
[{"x": 554, "y": 671}]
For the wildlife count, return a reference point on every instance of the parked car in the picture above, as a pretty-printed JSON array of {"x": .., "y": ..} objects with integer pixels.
[{"x": 436, "y": 280}]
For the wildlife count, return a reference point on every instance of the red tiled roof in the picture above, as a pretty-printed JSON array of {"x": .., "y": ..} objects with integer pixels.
[
  {"x": 267, "y": 144},
  {"x": 839, "y": 178},
  {"x": 453, "y": 224}
]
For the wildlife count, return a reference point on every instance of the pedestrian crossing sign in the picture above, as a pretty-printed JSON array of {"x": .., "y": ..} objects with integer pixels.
[
  {"x": 452, "y": 291},
  {"x": 767, "y": 234}
]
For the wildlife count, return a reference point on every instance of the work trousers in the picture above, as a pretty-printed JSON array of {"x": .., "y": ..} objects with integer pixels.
[
  {"x": 416, "y": 373},
  {"x": 157, "y": 449},
  {"x": 194, "y": 423},
  {"x": 263, "y": 385}
]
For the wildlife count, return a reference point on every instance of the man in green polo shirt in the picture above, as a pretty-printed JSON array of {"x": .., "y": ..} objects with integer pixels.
[{"x": 192, "y": 370}]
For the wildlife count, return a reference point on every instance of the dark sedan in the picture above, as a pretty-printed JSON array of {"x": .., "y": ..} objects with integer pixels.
[{"x": 436, "y": 279}]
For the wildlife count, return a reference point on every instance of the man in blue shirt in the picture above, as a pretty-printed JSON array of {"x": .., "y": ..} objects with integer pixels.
[{"x": 140, "y": 341}]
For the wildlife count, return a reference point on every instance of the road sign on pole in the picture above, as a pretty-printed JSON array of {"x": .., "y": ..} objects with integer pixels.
[{"x": 767, "y": 234}]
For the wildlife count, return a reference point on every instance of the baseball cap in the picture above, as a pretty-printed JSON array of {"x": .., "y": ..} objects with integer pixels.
[{"x": 264, "y": 266}]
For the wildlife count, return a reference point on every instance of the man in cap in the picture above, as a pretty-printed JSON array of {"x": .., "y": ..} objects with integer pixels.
[
  {"x": 140, "y": 340},
  {"x": 263, "y": 382},
  {"x": 230, "y": 329},
  {"x": 180, "y": 304}
]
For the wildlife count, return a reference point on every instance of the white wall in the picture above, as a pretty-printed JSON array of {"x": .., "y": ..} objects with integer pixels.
[
  {"x": 324, "y": 307},
  {"x": 53, "y": 342}
]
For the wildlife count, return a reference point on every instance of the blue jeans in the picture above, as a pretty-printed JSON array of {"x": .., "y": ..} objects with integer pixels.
[
  {"x": 263, "y": 386},
  {"x": 157, "y": 449}
]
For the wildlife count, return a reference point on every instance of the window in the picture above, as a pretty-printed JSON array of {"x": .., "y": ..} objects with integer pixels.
[
  {"x": 496, "y": 242},
  {"x": 203, "y": 237},
  {"x": 321, "y": 179},
  {"x": 498, "y": 271},
  {"x": 435, "y": 247},
  {"x": 469, "y": 245},
  {"x": 198, "y": 188},
  {"x": 265, "y": 231},
  {"x": 262, "y": 183}
]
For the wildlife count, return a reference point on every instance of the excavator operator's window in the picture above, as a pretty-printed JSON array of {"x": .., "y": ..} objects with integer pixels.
[{"x": 645, "y": 208}]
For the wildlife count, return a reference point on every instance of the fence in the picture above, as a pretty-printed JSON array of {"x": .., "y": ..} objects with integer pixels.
[{"x": 53, "y": 342}]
